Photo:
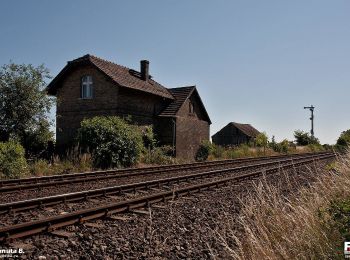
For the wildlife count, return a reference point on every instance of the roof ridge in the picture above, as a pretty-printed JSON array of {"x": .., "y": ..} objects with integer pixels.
[
  {"x": 104, "y": 60},
  {"x": 120, "y": 74},
  {"x": 126, "y": 68},
  {"x": 194, "y": 86}
]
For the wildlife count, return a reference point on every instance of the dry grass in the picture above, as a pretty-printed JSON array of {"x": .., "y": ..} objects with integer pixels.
[
  {"x": 43, "y": 168},
  {"x": 274, "y": 225}
]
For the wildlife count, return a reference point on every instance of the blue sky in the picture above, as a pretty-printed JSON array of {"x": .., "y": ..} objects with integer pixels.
[{"x": 257, "y": 62}]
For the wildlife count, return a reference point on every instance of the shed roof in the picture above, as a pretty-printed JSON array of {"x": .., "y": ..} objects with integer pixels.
[
  {"x": 246, "y": 129},
  {"x": 121, "y": 75}
]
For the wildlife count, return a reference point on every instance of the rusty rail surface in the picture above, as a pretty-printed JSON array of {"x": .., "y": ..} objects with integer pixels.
[
  {"x": 49, "y": 224},
  {"x": 55, "y": 180},
  {"x": 133, "y": 187}
]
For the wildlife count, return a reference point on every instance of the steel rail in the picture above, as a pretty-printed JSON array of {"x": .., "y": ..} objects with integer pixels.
[
  {"x": 80, "y": 216},
  {"x": 94, "y": 178},
  {"x": 133, "y": 187},
  {"x": 153, "y": 169}
]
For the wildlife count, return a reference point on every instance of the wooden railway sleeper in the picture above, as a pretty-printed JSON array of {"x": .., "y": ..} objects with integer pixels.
[
  {"x": 49, "y": 227},
  {"x": 107, "y": 214}
]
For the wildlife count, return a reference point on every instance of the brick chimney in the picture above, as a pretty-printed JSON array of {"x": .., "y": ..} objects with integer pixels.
[{"x": 144, "y": 70}]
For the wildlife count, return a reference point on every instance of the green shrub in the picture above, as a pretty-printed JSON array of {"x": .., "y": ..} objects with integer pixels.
[
  {"x": 303, "y": 138},
  {"x": 12, "y": 160},
  {"x": 112, "y": 141},
  {"x": 239, "y": 152},
  {"x": 148, "y": 138},
  {"x": 315, "y": 147},
  {"x": 217, "y": 151},
  {"x": 158, "y": 155},
  {"x": 204, "y": 150},
  {"x": 343, "y": 140},
  {"x": 282, "y": 147},
  {"x": 36, "y": 140},
  {"x": 40, "y": 168}
]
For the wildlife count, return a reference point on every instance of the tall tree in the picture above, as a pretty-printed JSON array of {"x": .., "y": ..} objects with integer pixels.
[{"x": 23, "y": 101}]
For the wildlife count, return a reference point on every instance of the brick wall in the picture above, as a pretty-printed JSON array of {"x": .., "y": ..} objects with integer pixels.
[
  {"x": 191, "y": 129},
  {"x": 190, "y": 132},
  {"x": 108, "y": 99}
]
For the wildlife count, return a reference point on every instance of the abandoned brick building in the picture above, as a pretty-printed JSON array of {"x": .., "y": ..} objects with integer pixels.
[
  {"x": 234, "y": 134},
  {"x": 90, "y": 86}
]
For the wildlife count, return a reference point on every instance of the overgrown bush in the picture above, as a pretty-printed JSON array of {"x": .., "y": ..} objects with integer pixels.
[
  {"x": 315, "y": 147},
  {"x": 282, "y": 147},
  {"x": 36, "y": 140},
  {"x": 218, "y": 151},
  {"x": 12, "y": 160},
  {"x": 238, "y": 152},
  {"x": 204, "y": 150},
  {"x": 112, "y": 141},
  {"x": 303, "y": 138},
  {"x": 80, "y": 163},
  {"x": 148, "y": 137},
  {"x": 158, "y": 155},
  {"x": 343, "y": 141}
]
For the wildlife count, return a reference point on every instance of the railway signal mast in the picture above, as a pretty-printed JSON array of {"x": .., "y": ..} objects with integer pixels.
[{"x": 311, "y": 118}]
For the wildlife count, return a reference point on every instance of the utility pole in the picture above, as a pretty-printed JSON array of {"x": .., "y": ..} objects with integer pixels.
[{"x": 311, "y": 118}]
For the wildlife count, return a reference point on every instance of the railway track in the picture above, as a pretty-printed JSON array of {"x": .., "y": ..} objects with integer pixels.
[
  {"x": 49, "y": 224},
  {"x": 67, "y": 179},
  {"x": 17, "y": 206}
]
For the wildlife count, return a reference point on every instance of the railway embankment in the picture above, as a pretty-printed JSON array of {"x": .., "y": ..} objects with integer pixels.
[{"x": 311, "y": 223}]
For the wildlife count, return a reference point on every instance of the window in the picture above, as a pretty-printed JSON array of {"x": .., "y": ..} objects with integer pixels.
[
  {"x": 86, "y": 87},
  {"x": 190, "y": 107}
]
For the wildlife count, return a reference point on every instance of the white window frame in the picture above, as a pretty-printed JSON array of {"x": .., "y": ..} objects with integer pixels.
[{"x": 86, "y": 87}]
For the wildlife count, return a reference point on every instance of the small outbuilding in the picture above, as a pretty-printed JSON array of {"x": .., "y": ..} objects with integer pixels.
[{"x": 235, "y": 134}]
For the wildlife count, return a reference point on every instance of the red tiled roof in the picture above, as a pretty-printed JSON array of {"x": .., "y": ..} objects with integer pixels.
[
  {"x": 246, "y": 129},
  {"x": 121, "y": 75}
]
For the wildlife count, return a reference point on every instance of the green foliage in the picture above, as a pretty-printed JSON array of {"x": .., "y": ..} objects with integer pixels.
[
  {"x": 23, "y": 103},
  {"x": 340, "y": 213},
  {"x": 158, "y": 155},
  {"x": 344, "y": 139},
  {"x": 315, "y": 147},
  {"x": 12, "y": 161},
  {"x": 282, "y": 147},
  {"x": 261, "y": 140},
  {"x": 36, "y": 140},
  {"x": 239, "y": 152},
  {"x": 80, "y": 163},
  {"x": 204, "y": 150},
  {"x": 303, "y": 138},
  {"x": 149, "y": 140},
  {"x": 217, "y": 151},
  {"x": 327, "y": 147},
  {"x": 112, "y": 142}
]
